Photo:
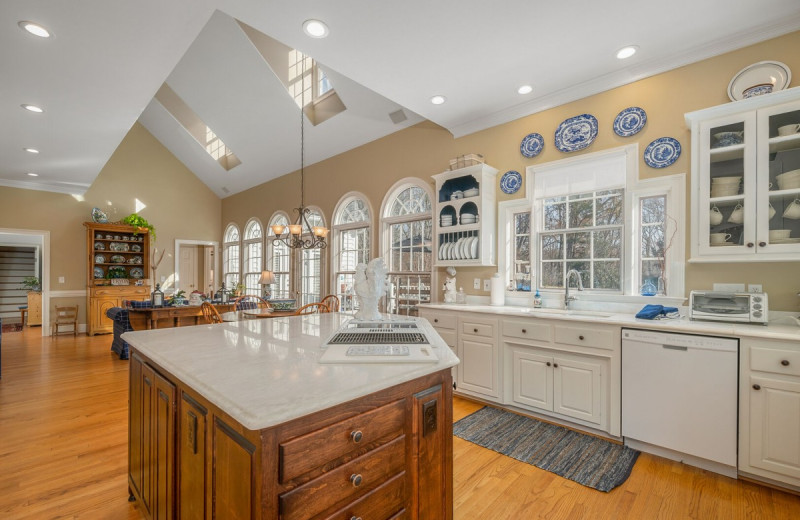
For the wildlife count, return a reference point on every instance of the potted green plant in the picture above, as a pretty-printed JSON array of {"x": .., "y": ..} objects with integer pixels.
[
  {"x": 178, "y": 298},
  {"x": 32, "y": 283},
  {"x": 139, "y": 223}
]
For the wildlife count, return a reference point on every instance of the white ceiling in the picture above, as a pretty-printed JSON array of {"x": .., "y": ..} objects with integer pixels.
[{"x": 99, "y": 72}]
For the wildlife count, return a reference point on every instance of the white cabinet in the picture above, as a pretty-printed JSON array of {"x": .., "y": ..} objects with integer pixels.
[
  {"x": 742, "y": 185},
  {"x": 479, "y": 372},
  {"x": 769, "y": 410},
  {"x": 446, "y": 325},
  {"x": 466, "y": 216}
]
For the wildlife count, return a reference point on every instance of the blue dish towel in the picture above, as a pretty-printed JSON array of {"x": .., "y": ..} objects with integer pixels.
[{"x": 656, "y": 312}]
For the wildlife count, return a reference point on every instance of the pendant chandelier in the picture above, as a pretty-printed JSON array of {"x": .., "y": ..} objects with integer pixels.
[{"x": 292, "y": 235}]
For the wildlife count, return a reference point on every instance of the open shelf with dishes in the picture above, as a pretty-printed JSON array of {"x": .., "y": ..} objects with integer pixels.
[
  {"x": 746, "y": 179},
  {"x": 465, "y": 216}
]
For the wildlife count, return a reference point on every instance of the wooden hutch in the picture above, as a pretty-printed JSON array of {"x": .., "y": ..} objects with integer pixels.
[{"x": 117, "y": 259}]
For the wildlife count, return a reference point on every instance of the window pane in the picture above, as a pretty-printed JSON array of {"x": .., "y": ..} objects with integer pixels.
[
  {"x": 609, "y": 210},
  {"x": 522, "y": 223},
  {"x": 653, "y": 210},
  {"x": 608, "y": 244},
  {"x": 552, "y": 275},
  {"x": 523, "y": 249},
  {"x": 578, "y": 245},
  {"x": 607, "y": 275},
  {"x": 651, "y": 270},
  {"x": 652, "y": 241},
  {"x": 580, "y": 213},
  {"x": 585, "y": 270},
  {"x": 555, "y": 214},
  {"x": 552, "y": 247}
]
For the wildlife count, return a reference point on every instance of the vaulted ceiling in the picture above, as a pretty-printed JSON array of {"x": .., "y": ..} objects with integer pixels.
[{"x": 99, "y": 72}]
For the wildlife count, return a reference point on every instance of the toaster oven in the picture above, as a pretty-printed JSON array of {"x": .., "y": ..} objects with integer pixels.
[{"x": 728, "y": 306}]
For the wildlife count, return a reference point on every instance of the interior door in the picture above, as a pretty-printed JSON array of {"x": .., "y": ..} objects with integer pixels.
[{"x": 187, "y": 268}]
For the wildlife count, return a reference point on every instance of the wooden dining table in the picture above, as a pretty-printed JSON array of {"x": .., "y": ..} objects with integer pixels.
[
  {"x": 250, "y": 314},
  {"x": 165, "y": 317}
]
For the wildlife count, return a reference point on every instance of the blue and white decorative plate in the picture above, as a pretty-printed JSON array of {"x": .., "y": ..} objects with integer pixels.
[
  {"x": 576, "y": 133},
  {"x": 98, "y": 273},
  {"x": 137, "y": 272},
  {"x": 532, "y": 145},
  {"x": 510, "y": 182},
  {"x": 98, "y": 216},
  {"x": 630, "y": 121},
  {"x": 662, "y": 152}
]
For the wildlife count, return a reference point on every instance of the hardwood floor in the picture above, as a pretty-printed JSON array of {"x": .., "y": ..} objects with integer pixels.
[{"x": 63, "y": 454}]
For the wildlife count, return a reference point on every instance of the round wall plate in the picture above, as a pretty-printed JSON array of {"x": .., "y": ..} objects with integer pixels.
[{"x": 510, "y": 182}]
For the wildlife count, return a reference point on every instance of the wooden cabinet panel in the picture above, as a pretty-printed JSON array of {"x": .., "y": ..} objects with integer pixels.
[
  {"x": 434, "y": 448},
  {"x": 776, "y": 361},
  {"x": 233, "y": 466},
  {"x": 358, "y": 434},
  {"x": 163, "y": 463},
  {"x": 34, "y": 308},
  {"x": 478, "y": 369},
  {"x": 100, "y": 323},
  {"x": 485, "y": 329},
  {"x": 384, "y": 502},
  {"x": 578, "y": 388},
  {"x": 136, "y": 414},
  {"x": 192, "y": 459},
  {"x": 527, "y": 329},
  {"x": 588, "y": 336},
  {"x": 775, "y": 425},
  {"x": 533, "y": 379}
]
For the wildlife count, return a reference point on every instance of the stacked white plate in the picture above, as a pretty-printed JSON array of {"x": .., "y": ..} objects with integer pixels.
[
  {"x": 789, "y": 180},
  {"x": 465, "y": 248},
  {"x": 447, "y": 221},
  {"x": 472, "y": 192},
  {"x": 468, "y": 218},
  {"x": 725, "y": 186}
]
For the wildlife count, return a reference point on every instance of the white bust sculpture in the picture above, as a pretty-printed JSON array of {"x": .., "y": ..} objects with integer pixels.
[{"x": 370, "y": 286}]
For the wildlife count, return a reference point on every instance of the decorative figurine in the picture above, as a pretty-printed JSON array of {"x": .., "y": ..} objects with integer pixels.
[{"x": 370, "y": 286}]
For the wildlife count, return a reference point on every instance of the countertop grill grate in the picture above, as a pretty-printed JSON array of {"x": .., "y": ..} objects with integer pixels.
[{"x": 378, "y": 338}]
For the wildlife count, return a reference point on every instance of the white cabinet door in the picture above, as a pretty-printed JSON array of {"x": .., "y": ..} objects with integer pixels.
[
  {"x": 533, "y": 379},
  {"x": 775, "y": 425},
  {"x": 578, "y": 388},
  {"x": 478, "y": 369}
]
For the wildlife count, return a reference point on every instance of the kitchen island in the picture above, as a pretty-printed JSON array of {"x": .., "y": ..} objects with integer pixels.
[{"x": 239, "y": 420}]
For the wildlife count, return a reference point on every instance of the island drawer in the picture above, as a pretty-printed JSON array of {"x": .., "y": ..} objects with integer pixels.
[
  {"x": 387, "y": 500},
  {"x": 777, "y": 361},
  {"x": 527, "y": 329},
  {"x": 347, "y": 482},
  {"x": 586, "y": 336},
  {"x": 340, "y": 441}
]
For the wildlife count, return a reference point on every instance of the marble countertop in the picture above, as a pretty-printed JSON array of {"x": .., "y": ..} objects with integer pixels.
[
  {"x": 266, "y": 372},
  {"x": 779, "y": 329}
]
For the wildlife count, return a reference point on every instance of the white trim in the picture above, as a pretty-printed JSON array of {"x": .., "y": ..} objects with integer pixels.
[
  {"x": 70, "y": 293},
  {"x": 45, "y": 237},
  {"x": 505, "y": 214},
  {"x": 244, "y": 254},
  {"x": 629, "y": 75},
  {"x": 187, "y": 242},
  {"x": 333, "y": 243},
  {"x": 74, "y": 189}
]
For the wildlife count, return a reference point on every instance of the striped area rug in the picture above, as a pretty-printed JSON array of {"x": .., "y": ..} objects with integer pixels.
[{"x": 588, "y": 460}]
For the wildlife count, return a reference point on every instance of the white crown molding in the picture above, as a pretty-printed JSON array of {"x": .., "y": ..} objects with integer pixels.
[
  {"x": 74, "y": 293},
  {"x": 629, "y": 75},
  {"x": 78, "y": 189}
]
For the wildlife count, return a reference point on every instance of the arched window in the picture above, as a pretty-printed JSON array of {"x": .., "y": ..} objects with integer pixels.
[
  {"x": 230, "y": 257},
  {"x": 279, "y": 260},
  {"x": 310, "y": 269},
  {"x": 351, "y": 241},
  {"x": 253, "y": 256},
  {"x": 407, "y": 230}
]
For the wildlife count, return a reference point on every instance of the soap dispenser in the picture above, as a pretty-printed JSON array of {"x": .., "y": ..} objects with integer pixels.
[{"x": 537, "y": 300}]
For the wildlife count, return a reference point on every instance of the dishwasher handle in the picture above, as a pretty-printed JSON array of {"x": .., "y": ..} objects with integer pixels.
[{"x": 675, "y": 347}]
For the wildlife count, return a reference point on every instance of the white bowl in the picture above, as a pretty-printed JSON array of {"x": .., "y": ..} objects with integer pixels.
[
  {"x": 471, "y": 192},
  {"x": 724, "y": 192},
  {"x": 779, "y": 234},
  {"x": 726, "y": 180}
]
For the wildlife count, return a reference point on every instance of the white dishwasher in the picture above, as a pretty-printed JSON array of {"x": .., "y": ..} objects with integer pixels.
[{"x": 680, "y": 397}]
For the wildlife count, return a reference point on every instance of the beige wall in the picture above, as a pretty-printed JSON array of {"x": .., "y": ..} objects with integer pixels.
[
  {"x": 177, "y": 203},
  {"x": 425, "y": 149}
]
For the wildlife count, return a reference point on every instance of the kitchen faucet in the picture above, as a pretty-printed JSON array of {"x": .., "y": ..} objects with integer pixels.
[{"x": 567, "y": 297}]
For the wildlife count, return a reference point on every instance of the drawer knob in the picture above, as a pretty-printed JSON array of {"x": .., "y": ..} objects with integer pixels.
[
  {"x": 555, "y": 365},
  {"x": 475, "y": 330},
  {"x": 762, "y": 244},
  {"x": 548, "y": 363},
  {"x": 785, "y": 362},
  {"x": 355, "y": 518},
  {"x": 580, "y": 338},
  {"x": 524, "y": 331},
  {"x": 756, "y": 387},
  {"x": 356, "y": 479},
  {"x": 436, "y": 320},
  {"x": 356, "y": 436},
  {"x": 750, "y": 244}
]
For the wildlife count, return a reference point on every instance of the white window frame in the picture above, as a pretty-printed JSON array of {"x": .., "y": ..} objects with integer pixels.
[
  {"x": 505, "y": 259},
  {"x": 269, "y": 263},
  {"x": 226, "y": 247},
  {"x": 671, "y": 186},
  {"x": 338, "y": 229},
  {"x": 299, "y": 261},
  {"x": 387, "y": 221},
  {"x": 245, "y": 255}
]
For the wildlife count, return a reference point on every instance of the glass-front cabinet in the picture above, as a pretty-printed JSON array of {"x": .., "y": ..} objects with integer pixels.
[
  {"x": 465, "y": 216},
  {"x": 746, "y": 179}
]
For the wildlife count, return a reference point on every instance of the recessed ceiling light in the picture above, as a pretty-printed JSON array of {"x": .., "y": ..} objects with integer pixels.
[
  {"x": 315, "y": 28},
  {"x": 627, "y": 52},
  {"x": 438, "y": 100},
  {"x": 525, "y": 89},
  {"x": 33, "y": 108},
  {"x": 31, "y": 174},
  {"x": 35, "y": 29},
  {"x": 31, "y": 150}
]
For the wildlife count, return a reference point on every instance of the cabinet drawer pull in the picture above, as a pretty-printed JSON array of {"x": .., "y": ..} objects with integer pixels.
[
  {"x": 524, "y": 331},
  {"x": 555, "y": 365},
  {"x": 356, "y": 436},
  {"x": 580, "y": 338},
  {"x": 356, "y": 479},
  {"x": 355, "y": 518},
  {"x": 750, "y": 244},
  {"x": 762, "y": 244},
  {"x": 756, "y": 387},
  {"x": 475, "y": 330},
  {"x": 436, "y": 320},
  {"x": 785, "y": 362},
  {"x": 548, "y": 363}
]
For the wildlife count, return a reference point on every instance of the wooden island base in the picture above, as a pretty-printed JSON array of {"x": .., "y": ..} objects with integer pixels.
[{"x": 387, "y": 455}]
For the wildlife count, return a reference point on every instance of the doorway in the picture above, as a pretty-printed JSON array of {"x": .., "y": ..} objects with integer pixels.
[
  {"x": 34, "y": 247},
  {"x": 195, "y": 266}
]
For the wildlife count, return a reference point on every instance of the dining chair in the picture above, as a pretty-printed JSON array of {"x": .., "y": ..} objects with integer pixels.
[
  {"x": 332, "y": 301},
  {"x": 210, "y": 313},
  {"x": 65, "y": 315},
  {"x": 250, "y": 301},
  {"x": 312, "y": 308}
]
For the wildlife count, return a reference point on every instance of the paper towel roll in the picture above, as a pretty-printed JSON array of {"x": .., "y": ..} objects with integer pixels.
[{"x": 498, "y": 295}]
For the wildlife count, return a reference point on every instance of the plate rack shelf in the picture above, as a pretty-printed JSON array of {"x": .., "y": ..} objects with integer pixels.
[{"x": 465, "y": 216}]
